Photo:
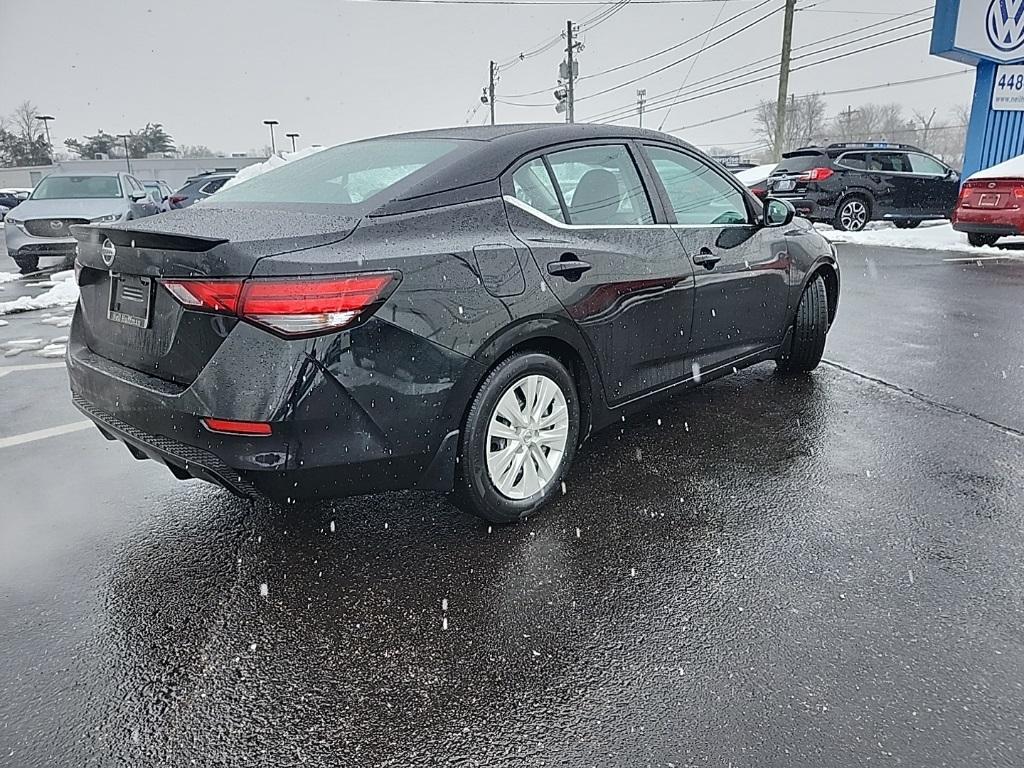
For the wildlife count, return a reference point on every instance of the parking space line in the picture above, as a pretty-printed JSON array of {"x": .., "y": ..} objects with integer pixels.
[
  {"x": 42, "y": 434},
  {"x": 29, "y": 367}
]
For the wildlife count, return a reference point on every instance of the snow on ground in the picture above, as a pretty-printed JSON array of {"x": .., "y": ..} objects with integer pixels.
[
  {"x": 7, "y": 277},
  {"x": 63, "y": 293},
  {"x": 929, "y": 237},
  {"x": 272, "y": 162}
]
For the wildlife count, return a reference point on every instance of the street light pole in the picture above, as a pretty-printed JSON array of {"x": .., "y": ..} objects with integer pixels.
[
  {"x": 46, "y": 127},
  {"x": 273, "y": 144},
  {"x": 293, "y": 137},
  {"x": 127, "y": 154}
]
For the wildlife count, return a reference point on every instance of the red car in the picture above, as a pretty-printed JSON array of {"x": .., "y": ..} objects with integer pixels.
[{"x": 991, "y": 204}]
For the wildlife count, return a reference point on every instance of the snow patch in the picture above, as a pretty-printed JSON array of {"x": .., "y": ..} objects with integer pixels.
[
  {"x": 272, "y": 162},
  {"x": 938, "y": 237},
  {"x": 63, "y": 293},
  {"x": 1012, "y": 168},
  {"x": 7, "y": 277},
  {"x": 756, "y": 174}
]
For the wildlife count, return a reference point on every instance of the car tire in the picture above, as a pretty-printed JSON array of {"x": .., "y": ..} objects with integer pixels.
[
  {"x": 978, "y": 239},
  {"x": 852, "y": 214},
  {"x": 26, "y": 264},
  {"x": 907, "y": 223},
  {"x": 500, "y": 477},
  {"x": 809, "y": 330}
]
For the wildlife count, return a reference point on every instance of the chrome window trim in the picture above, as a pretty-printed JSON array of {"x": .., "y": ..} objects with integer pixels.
[{"x": 561, "y": 225}]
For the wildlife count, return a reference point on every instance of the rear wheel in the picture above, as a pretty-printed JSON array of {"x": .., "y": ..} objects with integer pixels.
[
  {"x": 809, "y": 330},
  {"x": 977, "y": 239},
  {"x": 26, "y": 263},
  {"x": 520, "y": 438},
  {"x": 852, "y": 214},
  {"x": 907, "y": 223}
]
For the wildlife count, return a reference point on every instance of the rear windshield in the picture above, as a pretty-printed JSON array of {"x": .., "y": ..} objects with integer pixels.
[
  {"x": 802, "y": 162},
  {"x": 348, "y": 174},
  {"x": 77, "y": 187}
]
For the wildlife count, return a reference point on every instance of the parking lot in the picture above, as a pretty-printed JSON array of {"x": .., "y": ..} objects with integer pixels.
[{"x": 765, "y": 571}]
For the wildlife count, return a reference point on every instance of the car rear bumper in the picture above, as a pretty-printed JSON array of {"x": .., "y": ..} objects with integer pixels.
[
  {"x": 338, "y": 429},
  {"x": 988, "y": 222}
]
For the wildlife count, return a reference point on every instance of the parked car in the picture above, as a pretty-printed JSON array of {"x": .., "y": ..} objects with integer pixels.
[
  {"x": 19, "y": 193},
  {"x": 9, "y": 199},
  {"x": 38, "y": 231},
  {"x": 453, "y": 310},
  {"x": 756, "y": 178},
  {"x": 990, "y": 203},
  {"x": 199, "y": 187},
  {"x": 161, "y": 193},
  {"x": 848, "y": 185}
]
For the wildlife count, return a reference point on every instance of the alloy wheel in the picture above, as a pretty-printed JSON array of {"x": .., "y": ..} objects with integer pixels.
[
  {"x": 526, "y": 437},
  {"x": 854, "y": 215}
]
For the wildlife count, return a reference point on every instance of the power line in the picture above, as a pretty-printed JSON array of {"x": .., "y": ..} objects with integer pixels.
[
  {"x": 693, "y": 62},
  {"x": 543, "y": 2},
  {"x": 664, "y": 103},
  {"x": 721, "y": 40},
  {"x": 659, "y": 100},
  {"x": 841, "y": 92},
  {"x": 649, "y": 56}
]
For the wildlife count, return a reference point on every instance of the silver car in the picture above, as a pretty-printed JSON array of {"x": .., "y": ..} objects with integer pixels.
[{"x": 37, "y": 231}]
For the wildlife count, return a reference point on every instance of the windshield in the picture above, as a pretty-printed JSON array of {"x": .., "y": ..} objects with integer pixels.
[
  {"x": 77, "y": 187},
  {"x": 344, "y": 175}
]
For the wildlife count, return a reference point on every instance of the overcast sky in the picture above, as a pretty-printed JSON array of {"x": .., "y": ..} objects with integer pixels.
[{"x": 212, "y": 70}]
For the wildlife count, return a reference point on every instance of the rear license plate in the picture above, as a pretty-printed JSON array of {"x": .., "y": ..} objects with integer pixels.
[
  {"x": 784, "y": 185},
  {"x": 131, "y": 300},
  {"x": 988, "y": 201}
]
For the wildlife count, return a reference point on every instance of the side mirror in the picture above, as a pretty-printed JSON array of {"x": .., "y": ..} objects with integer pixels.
[
  {"x": 137, "y": 196},
  {"x": 778, "y": 213}
]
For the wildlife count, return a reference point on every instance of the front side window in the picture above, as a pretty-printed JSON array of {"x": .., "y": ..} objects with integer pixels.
[
  {"x": 697, "y": 193},
  {"x": 348, "y": 174},
  {"x": 77, "y": 187},
  {"x": 601, "y": 186},
  {"x": 928, "y": 166},
  {"x": 532, "y": 184}
]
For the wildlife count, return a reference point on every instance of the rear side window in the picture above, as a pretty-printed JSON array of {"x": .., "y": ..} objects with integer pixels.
[
  {"x": 798, "y": 163},
  {"x": 856, "y": 160},
  {"x": 601, "y": 185},
  {"x": 532, "y": 184},
  {"x": 212, "y": 186},
  {"x": 348, "y": 174}
]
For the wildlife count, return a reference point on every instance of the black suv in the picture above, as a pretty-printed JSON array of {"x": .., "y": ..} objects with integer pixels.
[
  {"x": 848, "y": 185},
  {"x": 200, "y": 187}
]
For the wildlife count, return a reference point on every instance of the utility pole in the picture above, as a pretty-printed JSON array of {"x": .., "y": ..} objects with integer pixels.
[
  {"x": 127, "y": 153},
  {"x": 641, "y": 99},
  {"x": 571, "y": 75},
  {"x": 848, "y": 114},
  {"x": 780, "y": 102},
  {"x": 490, "y": 88}
]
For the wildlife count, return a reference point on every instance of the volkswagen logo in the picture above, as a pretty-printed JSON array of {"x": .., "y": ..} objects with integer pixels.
[
  {"x": 107, "y": 252},
  {"x": 56, "y": 224},
  {"x": 1005, "y": 24}
]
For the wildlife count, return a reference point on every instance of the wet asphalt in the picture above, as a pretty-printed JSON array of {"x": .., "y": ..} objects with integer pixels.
[{"x": 767, "y": 571}]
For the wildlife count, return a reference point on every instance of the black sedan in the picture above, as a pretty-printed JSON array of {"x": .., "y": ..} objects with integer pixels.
[{"x": 454, "y": 310}]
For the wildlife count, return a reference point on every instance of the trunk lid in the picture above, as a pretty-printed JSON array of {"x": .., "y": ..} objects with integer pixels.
[
  {"x": 993, "y": 194},
  {"x": 172, "y": 342}
]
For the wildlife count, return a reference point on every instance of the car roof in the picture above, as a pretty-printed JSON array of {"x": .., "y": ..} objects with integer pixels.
[{"x": 491, "y": 149}]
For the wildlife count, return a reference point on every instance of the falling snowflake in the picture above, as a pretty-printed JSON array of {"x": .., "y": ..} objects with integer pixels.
[
  {"x": 695, "y": 368},
  {"x": 264, "y": 590}
]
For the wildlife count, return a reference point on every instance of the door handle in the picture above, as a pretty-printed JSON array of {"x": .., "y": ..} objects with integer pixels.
[
  {"x": 568, "y": 267},
  {"x": 706, "y": 258}
]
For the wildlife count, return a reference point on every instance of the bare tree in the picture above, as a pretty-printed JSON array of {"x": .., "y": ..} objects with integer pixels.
[
  {"x": 24, "y": 122},
  {"x": 805, "y": 121}
]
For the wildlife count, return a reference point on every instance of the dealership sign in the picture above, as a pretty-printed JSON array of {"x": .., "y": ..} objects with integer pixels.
[{"x": 979, "y": 30}]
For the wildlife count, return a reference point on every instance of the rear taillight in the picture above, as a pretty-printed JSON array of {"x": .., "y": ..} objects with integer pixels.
[
  {"x": 759, "y": 192},
  {"x": 175, "y": 199},
  {"x": 815, "y": 174},
  {"x": 1018, "y": 192},
  {"x": 290, "y": 306}
]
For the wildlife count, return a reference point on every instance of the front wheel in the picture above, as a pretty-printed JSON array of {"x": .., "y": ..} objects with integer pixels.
[
  {"x": 809, "y": 330},
  {"x": 519, "y": 440},
  {"x": 977, "y": 239},
  {"x": 852, "y": 214}
]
